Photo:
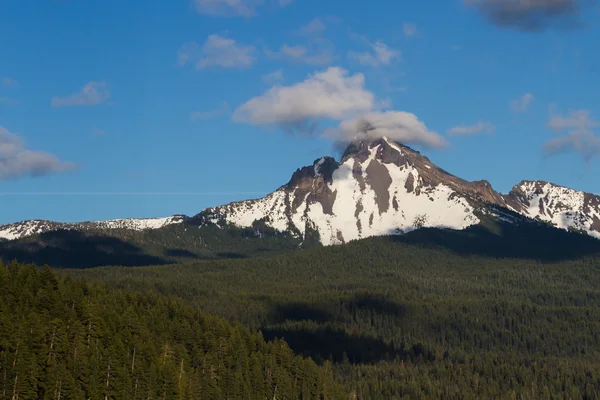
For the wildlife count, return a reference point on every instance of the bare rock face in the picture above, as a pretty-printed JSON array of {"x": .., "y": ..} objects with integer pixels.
[{"x": 379, "y": 187}]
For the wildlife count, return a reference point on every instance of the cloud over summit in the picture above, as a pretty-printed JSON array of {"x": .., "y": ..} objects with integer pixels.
[{"x": 334, "y": 94}]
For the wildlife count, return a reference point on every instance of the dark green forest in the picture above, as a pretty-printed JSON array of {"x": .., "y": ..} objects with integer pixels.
[
  {"x": 497, "y": 311},
  {"x": 401, "y": 319},
  {"x": 62, "y": 338}
]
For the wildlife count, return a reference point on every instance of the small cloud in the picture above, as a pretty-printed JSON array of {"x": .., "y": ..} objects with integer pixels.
[
  {"x": 522, "y": 104},
  {"x": 16, "y": 161},
  {"x": 314, "y": 27},
  {"x": 409, "y": 29},
  {"x": 478, "y": 128},
  {"x": 455, "y": 47},
  {"x": 381, "y": 55},
  {"x": 92, "y": 93},
  {"x": 579, "y": 137},
  {"x": 332, "y": 93},
  {"x": 228, "y": 8},
  {"x": 217, "y": 51},
  {"x": 274, "y": 77},
  {"x": 220, "y": 111},
  {"x": 99, "y": 132},
  {"x": 531, "y": 15},
  {"x": 8, "y": 82},
  {"x": 399, "y": 126},
  {"x": 302, "y": 55}
]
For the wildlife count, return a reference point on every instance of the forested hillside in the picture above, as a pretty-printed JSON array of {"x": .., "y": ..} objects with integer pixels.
[
  {"x": 126, "y": 247},
  {"x": 408, "y": 319},
  {"x": 61, "y": 338}
]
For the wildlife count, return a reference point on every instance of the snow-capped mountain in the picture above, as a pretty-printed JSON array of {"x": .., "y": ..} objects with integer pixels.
[
  {"x": 560, "y": 206},
  {"x": 380, "y": 187},
  {"x": 377, "y": 188},
  {"x": 27, "y": 228}
]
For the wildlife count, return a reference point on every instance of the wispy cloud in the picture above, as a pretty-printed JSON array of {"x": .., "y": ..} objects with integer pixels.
[
  {"x": 578, "y": 127},
  {"x": 315, "y": 27},
  {"x": 381, "y": 54},
  {"x": 522, "y": 104},
  {"x": 217, "y": 51},
  {"x": 302, "y": 55},
  {"x": 8, "y": 100},
  {"x": 274, "y": 77},
  {"x": 234, "y": 8},
  {"x": 475, "y": 129},
  {"x": 220, "y": 111},
  {"x": 8, "y": 82},
  {"x": 98, "y": 132},
  {"x": 409, "y": 29},
  {"x": 17, "y": 161},
  {"x": 228, "y": 8},
  {"x": 531, "y": 15},
  {"x": 92, "y": 93}
]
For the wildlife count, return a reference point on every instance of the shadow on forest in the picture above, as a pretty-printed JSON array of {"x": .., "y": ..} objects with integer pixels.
[
  {"x": 180, "y": 253},
  {"x": 326, "y": 342},
  {"x": 299, "y": 312},
  {"x": 377, "y": 303},
  {"x": 73, "y": 249},
  {"x": 531, "y": 241},
  {"x": 228, "y": 254},
  {"x": 336, "y": 345}
]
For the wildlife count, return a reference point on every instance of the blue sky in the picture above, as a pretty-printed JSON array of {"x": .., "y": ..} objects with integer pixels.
[{"x": 150, "y": 108}]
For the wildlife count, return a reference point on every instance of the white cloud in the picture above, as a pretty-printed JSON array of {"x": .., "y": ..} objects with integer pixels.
[
  {"x": 332, "y": 93},
  {"x": 580, "y": 138},
  {"x": 220, "y": 111},
  {"x": 217, "y": 51},
  {"x": 399, "y": 126},
  {"x": 17, "y": 161},
  {"x": 409, "y": 29},
  {"x": 92, "y": 93},
  {"x": 522, "y": 104},
  {"x": 99, "y": 132},
  {"x": 8, "y": 82},
  {"x": 480, "y": 127},
  {"x": 382, "y": 55},
  {"x": 274, "y": 77},
  {"x": 336, "y": 95}
]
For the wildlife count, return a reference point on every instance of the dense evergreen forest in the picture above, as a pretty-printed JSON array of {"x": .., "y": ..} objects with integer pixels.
[
  {"x": 399, "y": 318},
  {"x": 62, "y": 338}
]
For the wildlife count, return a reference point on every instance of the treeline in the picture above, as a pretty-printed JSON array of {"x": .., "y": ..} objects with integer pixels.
[
  {"x": 62, "y": 338},
  {"x": 410, "y": 321}
]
